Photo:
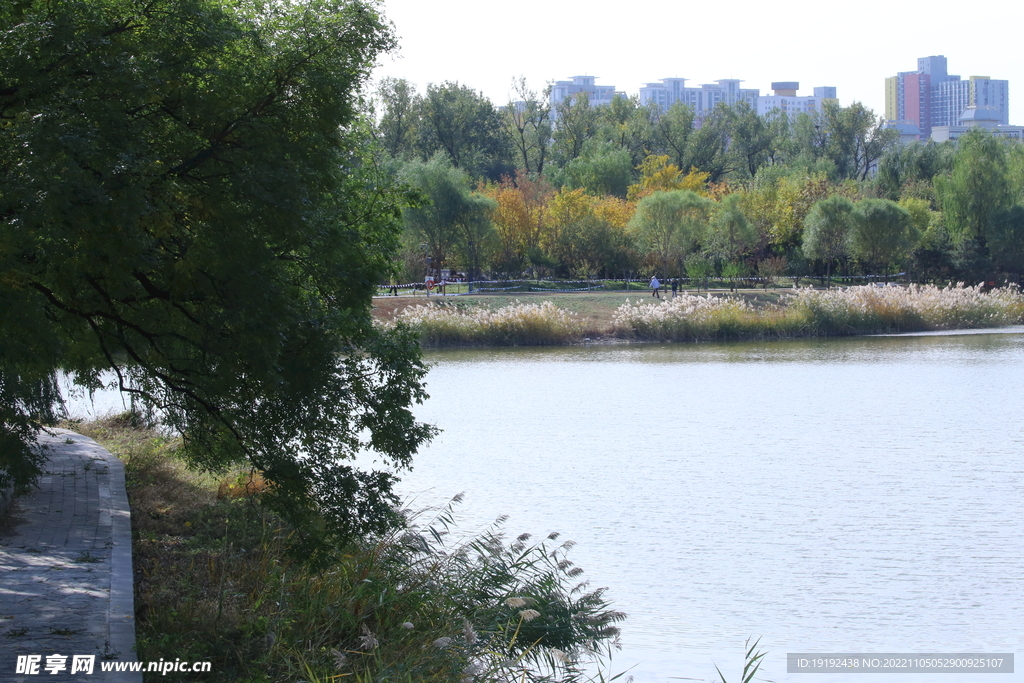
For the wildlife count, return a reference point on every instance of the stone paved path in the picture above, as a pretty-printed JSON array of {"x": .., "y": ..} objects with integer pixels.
[{"x": 66, "y": 566}]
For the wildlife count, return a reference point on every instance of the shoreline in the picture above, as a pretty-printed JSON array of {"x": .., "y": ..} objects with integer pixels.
[{"x": 612, "y": 318}]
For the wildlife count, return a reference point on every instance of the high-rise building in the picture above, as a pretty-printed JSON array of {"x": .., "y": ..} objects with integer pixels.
[
  {"x": 930, "y": 97},
  {"x": 597, "y": 95},
  {"x": 786, "y": 101},
  {"x": 703, "y": 99}
]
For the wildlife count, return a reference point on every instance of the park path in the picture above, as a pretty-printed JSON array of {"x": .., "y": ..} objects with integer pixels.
[{"x": 66, "y": 568}]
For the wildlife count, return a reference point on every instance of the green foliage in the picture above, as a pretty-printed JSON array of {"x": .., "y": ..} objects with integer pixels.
[
  {"x": 187, "y": 204},
  {"x": 602, "y": 168},
  {"x": 855, "y": 139},
  {"x": 977, "y": 188},
  {"x": 577, "y": 123},
  {"x": 398, "y": 127},
  {"x": 1006, "y": 239},
  {"x": 827, "y": 229},
  {"x": 904, "y": 167},
  {"x": 464, "y": 125},
  {"x": 670, "y": 224},
  {"x": 421, "y": 604},
  {"x": 528, "y": 125},
  {"x": 450, "y": 218},
  {"x": 730, "y": 231},
  {"x": 882, "y": 233},
  {"x": 752, "y": 660}
]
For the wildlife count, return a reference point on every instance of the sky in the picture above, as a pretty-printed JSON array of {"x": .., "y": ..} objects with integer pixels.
[{"x": 852, "y": 46}]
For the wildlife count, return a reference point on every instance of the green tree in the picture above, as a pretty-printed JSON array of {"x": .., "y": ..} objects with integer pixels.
[
  {"x": 669, "y": 225},
  {"x": 709, "y": 145},
  {"x": 462, "y": 123},
  {"x": 627, "y": 125},
  {"x": 397, "y": 128},
  {"x": 187, "y": 204},
  {"x": 602, "y": 168},
  {"x": 882, "y": 234},
  {"x": 827, "y": 230},
  {"x": 977, "y": 188},
  {"x": 671, "y": 134},
  {"x": 730, "y": 231},
  {"x": 906, "y": 167},
  {"x": 1006, "y": 239},
  {"x": 855, "y": 139},
  {"x": 450, "y": 219},
  {"x": 576, "y": 123},
  {"x": 528, "y": 124},
  {"x": 753, "y": 139}
]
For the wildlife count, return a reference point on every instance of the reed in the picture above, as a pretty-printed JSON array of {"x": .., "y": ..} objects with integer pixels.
[
  {"x": 837, "y": 312},
  {"x": 518, "y": 324}
]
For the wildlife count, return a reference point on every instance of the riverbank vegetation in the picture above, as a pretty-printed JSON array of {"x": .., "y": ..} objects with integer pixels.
[
  {"x": 215, "y": 582},
  {"x": 571, "y": 190},
  {"x": 719, "y": 316}
]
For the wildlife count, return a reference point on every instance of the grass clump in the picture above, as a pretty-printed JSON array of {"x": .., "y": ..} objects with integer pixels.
[
  {"x": 214, "y": 581},
  {"x": 517, "y": 324},
  {"x": 837, "y": 312},
  {"x": 917, "y": 308}
]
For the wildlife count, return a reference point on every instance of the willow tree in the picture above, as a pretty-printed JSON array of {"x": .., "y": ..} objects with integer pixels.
[
  {"x": 450, "y": 218},
  {"x": 669, "y": 225},
  {"x": 188, "y": 205},
  {"x": 827, "y": 230},
  {"x": 977, "y": 188}
]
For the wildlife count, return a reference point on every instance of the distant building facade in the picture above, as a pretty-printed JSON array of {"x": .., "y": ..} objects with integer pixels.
[
  {"x": 988, "y": 118},
  {"x": 703, "y": 99},
  {"x": 930, "y": 97},
  {"x": 786, "y": 101},
  {"x": 597, "y": 95}
]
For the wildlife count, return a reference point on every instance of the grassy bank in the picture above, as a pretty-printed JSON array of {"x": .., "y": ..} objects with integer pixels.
[
  {"x": 214, "y": 582},
  {"x": 570, "y": 318}
]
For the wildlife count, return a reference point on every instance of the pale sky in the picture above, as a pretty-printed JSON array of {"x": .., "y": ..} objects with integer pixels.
[{"x": 853, "y": 46}]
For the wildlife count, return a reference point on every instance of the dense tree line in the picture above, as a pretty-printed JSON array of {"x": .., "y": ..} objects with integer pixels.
[{"x": 581, "y": 191}]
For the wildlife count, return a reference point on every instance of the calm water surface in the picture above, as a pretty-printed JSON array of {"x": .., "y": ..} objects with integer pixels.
[{"x": 841, "y": 495}]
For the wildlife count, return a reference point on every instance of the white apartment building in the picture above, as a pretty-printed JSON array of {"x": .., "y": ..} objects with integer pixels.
[
  {"x": 786, "y": 101},
  {"x": 597, "y": 95},
  {"x": 703, "y": 99}
]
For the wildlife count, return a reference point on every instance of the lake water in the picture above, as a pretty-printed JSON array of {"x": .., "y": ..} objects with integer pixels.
[{"x": 837, "y": 495}]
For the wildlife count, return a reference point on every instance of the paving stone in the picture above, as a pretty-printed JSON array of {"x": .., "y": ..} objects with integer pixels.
[{"x": 65, "y": 559}]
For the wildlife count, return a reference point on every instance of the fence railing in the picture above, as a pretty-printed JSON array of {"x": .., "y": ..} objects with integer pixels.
[{"x": 462, "y": 287}]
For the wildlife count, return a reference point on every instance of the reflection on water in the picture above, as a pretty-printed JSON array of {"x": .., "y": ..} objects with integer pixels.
[{"x": 835, "y": 495}]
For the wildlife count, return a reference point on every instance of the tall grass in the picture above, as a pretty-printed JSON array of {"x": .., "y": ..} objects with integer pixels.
[
  {"x": 855, "y": 310},
  {"x": 517, "y": 324},
  {"x": 214, "y": 582}
]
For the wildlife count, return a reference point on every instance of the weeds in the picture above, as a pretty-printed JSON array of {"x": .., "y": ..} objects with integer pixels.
[
  {"x": 214, "y": 582},
  {"x": 752, "y": 660}
]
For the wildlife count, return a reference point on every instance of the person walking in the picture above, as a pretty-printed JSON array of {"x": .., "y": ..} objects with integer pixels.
[
  {"x": 654, "y": 286},
  {"x": 675, "y": 287}
]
